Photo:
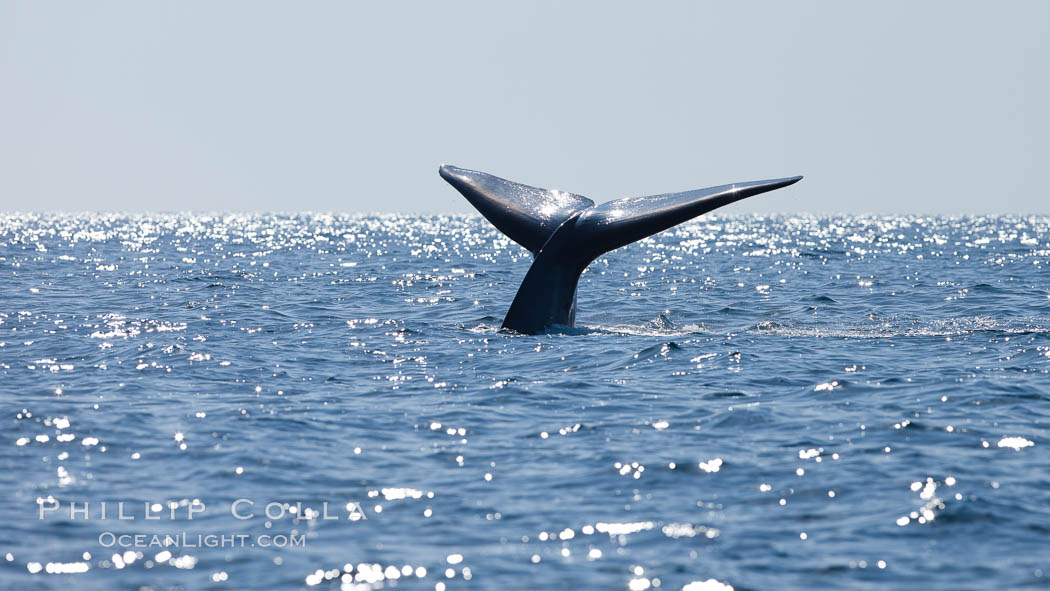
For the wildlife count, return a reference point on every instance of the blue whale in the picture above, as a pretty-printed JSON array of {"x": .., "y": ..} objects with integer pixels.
[{"x": 566, "y": 232}]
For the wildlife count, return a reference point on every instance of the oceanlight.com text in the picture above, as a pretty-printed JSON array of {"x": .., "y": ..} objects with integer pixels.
[{"x": 183, "y": 539}]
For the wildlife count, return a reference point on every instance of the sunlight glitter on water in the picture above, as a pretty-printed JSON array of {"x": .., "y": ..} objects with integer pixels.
[{"x": 732, "y": 385}]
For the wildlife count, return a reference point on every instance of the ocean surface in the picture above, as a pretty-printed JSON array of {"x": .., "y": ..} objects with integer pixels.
[{"x": 319, "y": 401}]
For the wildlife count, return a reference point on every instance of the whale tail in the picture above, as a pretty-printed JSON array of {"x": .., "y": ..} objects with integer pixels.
[{"x": 566, "y": 232}]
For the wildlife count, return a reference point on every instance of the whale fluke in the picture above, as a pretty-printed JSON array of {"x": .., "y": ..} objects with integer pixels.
[
  {"x": 567, "y": 232},
  {"x": 527, "y": 215}
]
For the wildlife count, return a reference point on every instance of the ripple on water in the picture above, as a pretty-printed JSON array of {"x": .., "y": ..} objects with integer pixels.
[{"x": 746, "y": 402}]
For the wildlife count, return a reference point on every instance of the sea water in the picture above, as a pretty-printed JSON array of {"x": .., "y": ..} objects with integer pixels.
[{"x": 326, "y": 401}]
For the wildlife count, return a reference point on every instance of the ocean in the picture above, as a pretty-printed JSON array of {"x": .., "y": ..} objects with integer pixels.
[{"x": 326, "y": 401}]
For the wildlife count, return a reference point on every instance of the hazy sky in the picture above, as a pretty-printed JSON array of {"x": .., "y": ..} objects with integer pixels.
[{"x": 912, "y": 107}]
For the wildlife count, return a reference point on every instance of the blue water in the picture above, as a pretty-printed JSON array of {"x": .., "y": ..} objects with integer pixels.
[{"x": 754, "y": 402}]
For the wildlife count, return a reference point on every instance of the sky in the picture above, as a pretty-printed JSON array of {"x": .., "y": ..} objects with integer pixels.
[{"x": 885, "y": 107}]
